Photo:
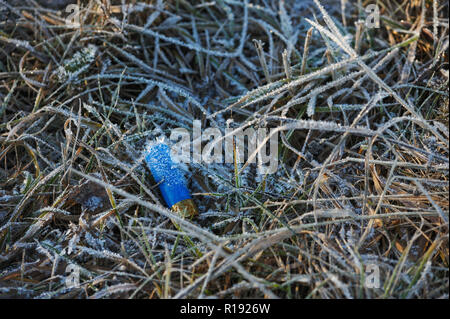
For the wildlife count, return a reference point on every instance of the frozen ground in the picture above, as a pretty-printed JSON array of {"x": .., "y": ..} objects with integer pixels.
[{"x": 358, "y": 207}]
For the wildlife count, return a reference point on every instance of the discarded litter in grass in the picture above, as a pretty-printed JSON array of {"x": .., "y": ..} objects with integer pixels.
[{"x": 170, "y": 180}]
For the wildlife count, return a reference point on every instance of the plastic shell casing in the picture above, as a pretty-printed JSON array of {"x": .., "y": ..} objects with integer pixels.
[{"x": 170, "y": 180}]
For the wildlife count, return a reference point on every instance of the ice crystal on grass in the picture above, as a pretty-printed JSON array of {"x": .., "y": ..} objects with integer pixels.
[
  {"x": 93, "y": 203},
  {"x": 79, "y": 63}
]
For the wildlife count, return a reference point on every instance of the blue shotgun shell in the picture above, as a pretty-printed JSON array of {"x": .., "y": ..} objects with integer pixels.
[{"x": 170, "y": 180}]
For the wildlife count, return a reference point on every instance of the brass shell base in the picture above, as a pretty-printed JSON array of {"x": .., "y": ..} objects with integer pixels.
[{"x": 186, "y": 208}]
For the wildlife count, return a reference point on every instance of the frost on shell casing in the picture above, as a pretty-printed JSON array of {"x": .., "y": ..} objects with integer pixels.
[{"x": 170, "y": 180}]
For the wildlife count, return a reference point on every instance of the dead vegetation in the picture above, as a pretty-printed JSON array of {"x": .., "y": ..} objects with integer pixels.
[{"x": 362, "y": 180}]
